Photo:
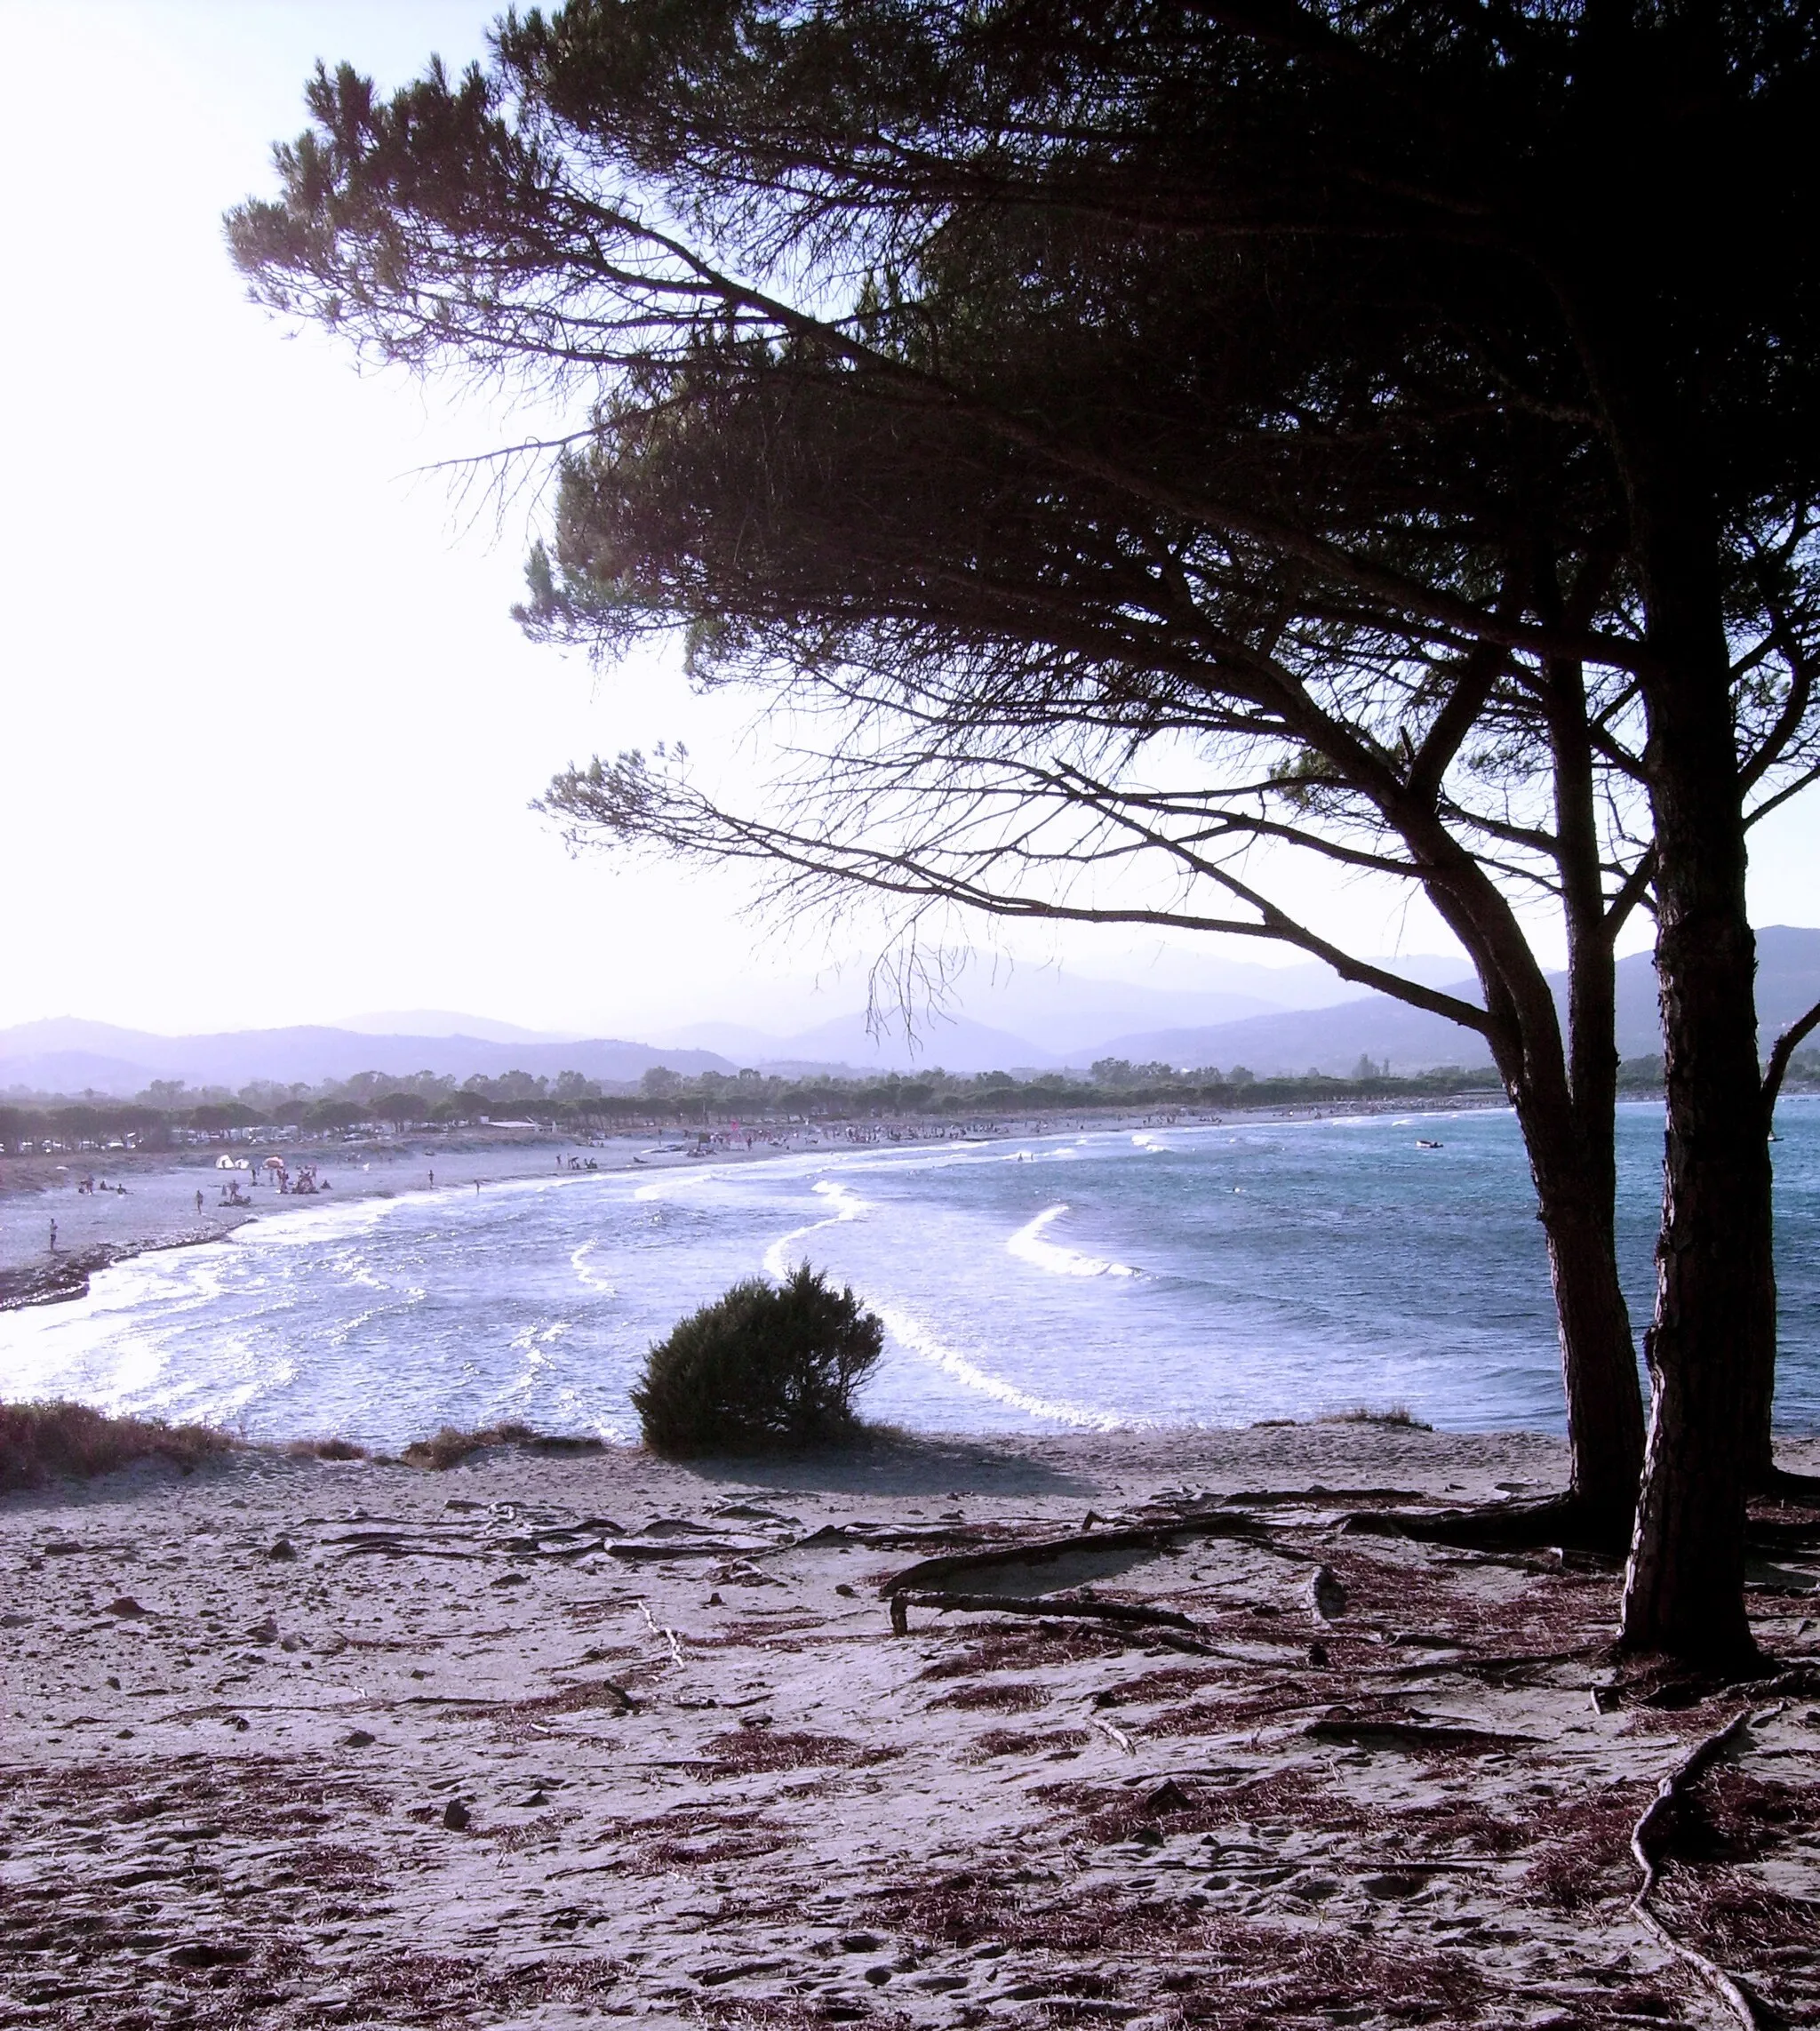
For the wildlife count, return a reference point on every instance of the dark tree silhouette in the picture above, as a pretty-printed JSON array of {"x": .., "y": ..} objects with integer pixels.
[{"x": 1385, "y": 431}]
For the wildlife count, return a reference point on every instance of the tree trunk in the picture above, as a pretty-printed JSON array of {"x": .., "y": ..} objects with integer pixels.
[
  {"x": 1598, "y": 1356},
  {"x": 1605, "y": 1399},
  {"x": 1715, "y": 1283},
  {"x": 1759, "y": 1389},
  {"x": 1599, "y": 1366},
  {"x": 1569, "y": 1141}
]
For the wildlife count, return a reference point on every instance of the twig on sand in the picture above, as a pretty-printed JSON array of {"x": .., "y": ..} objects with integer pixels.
[
  {"x": 1116, "y": 1733},
  {"x": 664, "y": 1630},
  {"x": 1686, "y": 1773}
]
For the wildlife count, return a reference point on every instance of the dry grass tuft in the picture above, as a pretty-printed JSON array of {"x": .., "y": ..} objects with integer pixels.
[
  {"x": 39, "y": 1442},
  {"x": 1305, "y": 1796},
  {"x": 1398, "y": 1415},
  {"x": 1026, "y": 1646},
  {"x": 1019, "y": 1696},
  {"x": 326, "y": 1449},
  {"x": 1734, "y": 1916},
  {"x": 1587, "y": 1857},
  {"x": 785, "y": 2013},
  {"x": 1264, "y": 1977},
  {"x": 1011, "y": 1742},
  {"x": 742, "y": 1751},
  {"x": 450, "y": 1446}
]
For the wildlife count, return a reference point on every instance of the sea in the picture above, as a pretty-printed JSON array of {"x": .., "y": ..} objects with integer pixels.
[{"x": 1209, "y": 1274}]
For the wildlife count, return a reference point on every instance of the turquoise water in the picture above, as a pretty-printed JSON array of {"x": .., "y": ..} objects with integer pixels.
[{"x": 1208, "y": 1276}]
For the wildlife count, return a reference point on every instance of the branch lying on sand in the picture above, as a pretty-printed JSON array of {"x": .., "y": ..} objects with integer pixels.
[
  {"x": 1119, "y": 1612},
  {"x": 931, "y": 1571},
  {"x": 1420, "y": 1735},
  {"x": 1646, "y": 1848}
]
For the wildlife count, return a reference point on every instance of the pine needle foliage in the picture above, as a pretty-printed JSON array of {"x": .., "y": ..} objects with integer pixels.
[{"x": 768, "y": 1364}]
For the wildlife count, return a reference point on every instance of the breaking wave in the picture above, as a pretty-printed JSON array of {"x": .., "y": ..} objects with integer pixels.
[{"x": 1028, "y": 1245}]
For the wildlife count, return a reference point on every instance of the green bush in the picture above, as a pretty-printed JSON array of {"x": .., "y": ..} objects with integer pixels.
[{"x": 767, "y": 1364}]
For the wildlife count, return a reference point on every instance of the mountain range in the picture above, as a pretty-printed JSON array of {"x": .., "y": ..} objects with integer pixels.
[{"x": 1093, "y": 1020}]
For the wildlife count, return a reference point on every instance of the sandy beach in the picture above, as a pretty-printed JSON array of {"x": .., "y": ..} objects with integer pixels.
[{"x": 542, "y": 1739}]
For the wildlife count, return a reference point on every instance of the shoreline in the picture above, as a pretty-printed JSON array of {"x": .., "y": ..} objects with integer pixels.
[
  {"x": 541, "y": 1739},
  {"x": 162, "y": 1191},
  {"x": 158, "y": 1210}
]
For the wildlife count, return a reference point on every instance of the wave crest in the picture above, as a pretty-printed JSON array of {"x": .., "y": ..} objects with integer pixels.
[
  {"x": 848, "y": 1206},
  {"x": 913, "y": 1335},
  {"x": 1028, "y": 1245}
]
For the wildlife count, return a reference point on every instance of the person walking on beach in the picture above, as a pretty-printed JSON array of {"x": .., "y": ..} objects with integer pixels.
[
  {"x": 53, "y": 1237},
  {"x": 198, "y": 1205}
]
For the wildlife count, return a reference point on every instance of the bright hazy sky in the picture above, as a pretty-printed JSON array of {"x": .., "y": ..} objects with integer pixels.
[{"x": 269, "y": 732}]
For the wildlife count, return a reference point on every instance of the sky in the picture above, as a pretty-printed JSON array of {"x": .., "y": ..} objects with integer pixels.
[{"x": 270, "y": 733}]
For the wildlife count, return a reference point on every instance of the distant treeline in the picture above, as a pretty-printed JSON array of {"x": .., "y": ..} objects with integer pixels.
[{"x": 169, "y": 1115}]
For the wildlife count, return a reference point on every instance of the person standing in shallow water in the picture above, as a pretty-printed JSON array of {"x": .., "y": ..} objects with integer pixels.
[{"x": 53, "y": 1237}]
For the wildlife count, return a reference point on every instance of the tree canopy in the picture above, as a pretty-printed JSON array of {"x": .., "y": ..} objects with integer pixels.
[{"x": 1110, "y": 441}]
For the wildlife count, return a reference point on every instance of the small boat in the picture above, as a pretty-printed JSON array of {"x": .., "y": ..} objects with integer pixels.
[{"x": 1422, "y": 1142}]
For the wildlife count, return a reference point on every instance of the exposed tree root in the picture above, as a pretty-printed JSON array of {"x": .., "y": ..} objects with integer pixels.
[
  {"x": 1317, "y": 1498},
  {"x": 1379, "y": 1733},
  {"x": 932, "y": 1571},
  {"x": 1567, "y": 1520},
  {"x": 1645, "y": 1849},
  {"x": 1802, "y": 1490}
]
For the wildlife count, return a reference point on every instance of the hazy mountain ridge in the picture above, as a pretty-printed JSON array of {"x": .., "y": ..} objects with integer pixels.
[
  {"x": 1330, "y": 1040},
  {"x": 70, "y": 1055}
]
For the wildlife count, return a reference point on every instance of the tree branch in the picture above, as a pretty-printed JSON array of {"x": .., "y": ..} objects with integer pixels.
[{"x": 1784, "y": 1048}]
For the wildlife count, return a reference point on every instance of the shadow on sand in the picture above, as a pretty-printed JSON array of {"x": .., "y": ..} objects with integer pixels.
[{"x": 881, "y": 1460}]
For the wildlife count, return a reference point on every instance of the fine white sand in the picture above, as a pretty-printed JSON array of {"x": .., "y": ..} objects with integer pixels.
[{"x": 543, "y": 1740}]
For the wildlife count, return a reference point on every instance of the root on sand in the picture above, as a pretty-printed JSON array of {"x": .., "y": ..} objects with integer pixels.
[{"x": 1647, "y": 1848}]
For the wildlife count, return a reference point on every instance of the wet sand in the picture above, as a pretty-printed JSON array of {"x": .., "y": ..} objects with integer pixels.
[{"x": 544, "y": 1740}]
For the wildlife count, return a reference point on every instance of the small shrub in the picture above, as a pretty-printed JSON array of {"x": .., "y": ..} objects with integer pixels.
[
  {"x": 326, "y": 1449},
  {"x": 767, "y": 1364},
  {"x": 40, "y": 1440},
  {"x": 452, "y": 1445}
]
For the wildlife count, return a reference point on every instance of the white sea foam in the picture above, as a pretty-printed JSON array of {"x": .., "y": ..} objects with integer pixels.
[
  {"x": 915, "y": 1338},
  {"x": 1028, "y": 1245},
  {"x": 848, "y": 1206},
  {"x": 584, "y": 1275},
  {"x": 533, "y": 1343}
]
